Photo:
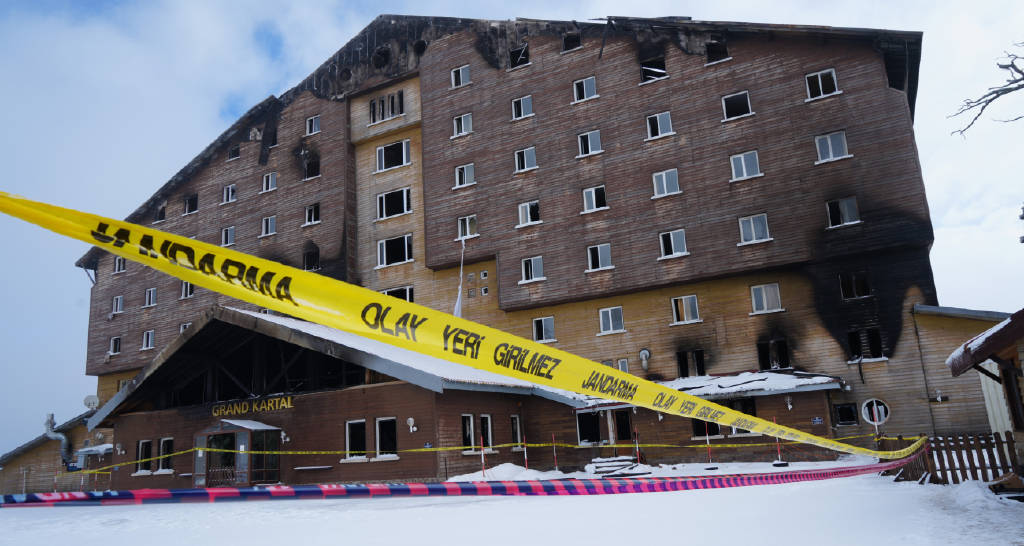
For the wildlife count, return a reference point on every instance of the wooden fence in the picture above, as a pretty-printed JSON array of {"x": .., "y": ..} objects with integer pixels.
[{"x": 958, "y": 458}]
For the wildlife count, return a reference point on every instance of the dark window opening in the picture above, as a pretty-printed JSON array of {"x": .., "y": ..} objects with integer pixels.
[
  {"x": 166, "y": 448},
  {"x": 311, "y": 259},
  {"x": 820, "y": 84},
  {"x": 485, "y": 431},
  {"x": 519, "y": 56},
  {"x": 234, "y": 152},
  {"x": 854, "y": 285},
  {"x": 397, "y": 250},
  {"x": 467, "y": 432},
  {"x": 845, "y": 414},
  {"x": 623, "y": 426},
  {"x": 717, "y": 51},
  {"x": 266, "y": 468},
  {"x": 856, "y": 349},
  {"x": 683, "y": 364},
  {"x": 653, "y": 69},
  {"x": 698, "y": 362},
  {"x": 394, "y": 155},
  {"x": 874, "y": 343},
  {"x": 393, "y": 203},
  {"x": 403, "y": 293},
  {"x": 161, "y": 213},
  {"x": 772, "y": 355},
  {"x": 743, "y": 405},
  {"x": 192, "y": 203},
  {"x": 270, "y": 138},
  {"x": 144, "y": 450},
  {"x": 356, "y": 439},
  {"x": 387, "y": 437},
  {"x": 310, "y": 165},
  {"x": 589, "y": 427},
  {"x": 736, "y": 105},
  {"x": 705, "y": 428},
  {"x": 571, "y": 41}
]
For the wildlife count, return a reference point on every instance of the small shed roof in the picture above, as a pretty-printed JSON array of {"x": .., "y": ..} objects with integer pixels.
[{"x": 987, "y": 344}]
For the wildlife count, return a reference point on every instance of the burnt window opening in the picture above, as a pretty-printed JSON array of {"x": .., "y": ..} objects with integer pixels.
[
  {"x": 571, "y": 41},
  {"x": 773, "y": 354},
  {"x": 736, "y": 105},
  {"x": 234, "y": 152},
  {"x": 717, "y": 50},
  {"x": 311, "y": 259},
  {"x": 842, "y": 212},
  {"x": 387, "y": 436},
  {"x": 623, "y": 426},
  {"x": 310, "y": 164},
  {"x": 743, "y": 405},
  {"x": 705, "y": 428},
  {"x": 144, "y": 450},
  {"x": 519, "y": 56},
  {"x": 191, "y": 204},
  {"x": 854, "y": 285},
  {"x": 355, "y": 437},
  {"x": 844, "y": 414},
  {"x": 402, "y": 293},
  {"x": 270, "y": 137},
  {"x": 381, "y": 57},
  {"x": 387, "y": 107},
  {"x": 588, "y": 426},
  {"x": 683, "y": 363},
  {"x": 161, "y": 213},
  {"x": 866, "y": 343},
  {"x": 467, "y": 431},
  {"x": 698, "y": 362},
  {"x": 854, "y": 344},
  {"x": 683, "y": 359},
  {"x": 874, "y": 342},
  {"x": 653, "y": 69}
]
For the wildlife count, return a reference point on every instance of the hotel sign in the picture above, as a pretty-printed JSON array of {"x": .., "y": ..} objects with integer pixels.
[{"x": 253, "y": 406}]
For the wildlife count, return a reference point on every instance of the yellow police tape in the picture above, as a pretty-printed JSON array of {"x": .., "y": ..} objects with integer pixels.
[{"x": 361, "y": 311}]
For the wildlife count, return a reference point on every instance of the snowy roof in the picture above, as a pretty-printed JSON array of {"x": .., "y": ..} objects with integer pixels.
[
  {"x": 42, "y": 438},
  {"x": 250, "y": 425},
  {"x": 744, "y": 384},
  {"x": 986, "y": 344},
  {"x": 96, "y": 450}
]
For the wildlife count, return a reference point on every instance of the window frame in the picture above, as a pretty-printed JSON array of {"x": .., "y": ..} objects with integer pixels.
[
  {"x": 611, "y": 321},
  {"x": 269, "y": 182},
  {"x": 526, "y": 152},
  {"x": 406, "y": 201},
  {"x": 681, "y": 318},
  {"x": 164, "y": 464},
  {"x": 593, "y": 191},
  {"x": 827, "y": 139},
  {"x": 120, "y": 264},
  {"x": 143, "y": 467},
  {"x": 839, "y": 208},
  {"x": 743, "y": 161},
  {"x": 409, "y": 292},
  {"x": 377, "y": 438},
  {"x": 348, "y": 441},
  {"x": 382, "y": 251},
  {"x": 312, "y": 125},
  {"x": 764, "y": 303},
  {"x": 188, "y": 203},
  {"x": 488, "y": 440},
  {"x": 601, "y": 251},
  {"x": 468, "y": 172},
  {"x": 472, "y": 432},
  {"x": 807, "y": 86},
  {"x": 523, "y": 100},
  {"x": 467, "y": 228},
  {"x": 646, "y": 78},
  {"x": 753, "y": 231},
  {"x": 544, "y": 322},
  {"x": 459, "y": 125},
  {"x": 664, "y": 183},
  {"x": 312, "y": 214},
  {"x": 229, "y": 194},
  {"x": 533, "y": 277},
  {"x": 117, "y": 305},
  {"x": 589, "y": 138},
  {"x": 311, "y": 259},
  {"x": 658, "y": 119},
  {"x": 527, "y": 207},
  {"x": 750, "y": 108},
  {"x": 149, "y": 298},
  {"x": 188, "y": 290},
  {"x": 114, "y": 340},
  {"x": 268, "y": 226},
  {"x": 579, "y": 93},
  {"x": 226, "y": 234},
  {"x": 148, "y": 340},
  {"x": 672, "y": 240},
  {"x": 463, "y": 81},
  {"x": 516, "y": 425},
  {"x": 381, "y": 164}
]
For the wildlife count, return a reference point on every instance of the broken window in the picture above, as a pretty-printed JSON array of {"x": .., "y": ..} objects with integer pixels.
[
  {"x": 773, "y": 354},
  {"x": 698, "y": 362},
  {"x": 599, "y": 257},
  {"x": 387, "y": 107},
  {"x": 653, "y": 69},
  {"x": 821, "y": 84},
  {"x": 468, "y": 439},
  {"x": 393, "y": 203},
  {"x": 571, "y": 41},
  {"x": 544, "y": 329},
  {"x": 702, "y": 429},
  {"x": 191, "y": 204},
  {"x": 683, "y": 363},
  {"x": 588, "y": 427},
  {"x": 745, "y": 165},
  {"x": 584, "y": 89},
  {"x": 387, "y": 436},
  {"x": 854, "y": 344},
  {"x": 589, "y": 143},
  {"x": 533, "y": 269},
  {"x": 460, "y": 76},
  {"x": 743, "y": 405},
  {"x": 844, "y": 414},
  {"x": 402, "y": 293},
  {"x": 611, "y": 320},
  {"x": 396, "y": 154},
  {"x": 522, "y": 107},
  {"x": 854, "y": 285},
  {"x": 394, "y": 251},
  {"x": 144, "y": 450},
  {"x": 717, "y": 51},
  {"x": 465, "y": 175},
  {"x": 310, "y": 165},
  {"x": 311, "y": 259},
  {"x": 312, "y": 125},
  {"x": 485, "y": 431},
  {"x": 234, "y": 152},
  {"x": 462, "y": 125},
  {"x": 166, "y": 448},
  {"x": 659, "y": 125},
  {"x": 526, "y": 159},
  {"x": 227, "y": 236},
  {"x": 856, "y": 340},
  {"x": 874, "y": 336},
  {"x": 623, "y": 427},
  {"x": 593, "y": 199},
  {"x": 673, "y": 243},
  {"x": 519, "y": 56},
  {"x": 831, "y": 146},
  {"x": 842, "y": 211},
  {"x": 529, "y": 213},
  {"x": 684, "y": 310},
  {"x": 517, "y": 430},
  {"x": 754, "y": 229},
  {"x": 666, "y": 182},
  {"x": 269, "y": 182},
  {"x": 736, "y": 105},
  {"x": 312, "y": 214},
  {"x": 765, "y": 298},
  {"x": 265, "y": 467},
  {"x": 467, "y": 227},
  {"x": 160, "y": 214}
]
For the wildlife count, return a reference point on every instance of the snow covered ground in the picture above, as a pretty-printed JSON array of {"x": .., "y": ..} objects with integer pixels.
[{"x": 861, "y": 510}]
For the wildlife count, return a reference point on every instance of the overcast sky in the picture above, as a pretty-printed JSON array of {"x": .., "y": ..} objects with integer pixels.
[{"x": 102, "y": 105}]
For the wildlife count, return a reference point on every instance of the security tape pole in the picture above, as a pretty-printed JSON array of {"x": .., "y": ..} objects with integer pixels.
[{"x": 367, "y": 313}]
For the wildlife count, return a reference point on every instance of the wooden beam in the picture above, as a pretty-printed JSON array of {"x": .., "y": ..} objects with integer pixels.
[{"x": 987, "y": 373}]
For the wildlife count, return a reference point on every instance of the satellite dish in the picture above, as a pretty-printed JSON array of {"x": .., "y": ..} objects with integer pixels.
[{"x": 92, "y": 401}]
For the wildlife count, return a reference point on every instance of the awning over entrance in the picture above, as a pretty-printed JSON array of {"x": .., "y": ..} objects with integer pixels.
[{"x": 251, "y": 425}]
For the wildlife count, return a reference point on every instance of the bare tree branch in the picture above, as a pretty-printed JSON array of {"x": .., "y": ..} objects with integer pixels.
[{"x": 1014, "y": 66}]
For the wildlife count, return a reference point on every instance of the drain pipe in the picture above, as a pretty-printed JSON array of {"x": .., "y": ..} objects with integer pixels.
[{"x": 65, "y": 444}]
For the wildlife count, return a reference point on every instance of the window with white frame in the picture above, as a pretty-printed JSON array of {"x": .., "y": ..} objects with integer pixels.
[
  {"x": 118, "y": 305},
  {"x": 269, "y": 182},
  {"x": 387, "y": 436},
  {"x": 150, "y": 300},
  {"x": 584, "y": 89},
  {"x": 589, "y": 143},
  {"x": 227, "y": 236},
  {"x": 148, "y": 339},
  {"x": 673, "y": 243},
  {"x": 191, "y": 204},
  {"x": 119, "y": 264},
  {"x": 736, "y": 105},
  {"x": 684, "y": 310},
  {"x": 533, "y": 269},
  {"x": 529, "y": 213},
  {"x": 544, "y": 329},
  {"x": 526, "y": 159},
  {"x": 517, "y": 429},
  {"x": 460, "y": 76},
  {"x": 187, "y": 290},
  {"x": 822, "y": 84},
  {"x": 622, "y": 365},
  {"x": 745, "y": 165},
  {"x": 754, "y": 229},
  {"x": 396, "y": 250},
  {"x": 393, "y": 203},
  {"x": 166, "y": 448},
  {"x": 522, "y": 107},
  {"x": 394, "y": 155},
  {"x": 115, "y": 345},
  {"x": 313, "y": 125},
  {"x": 599, "y": 257},
  {"x": 611, "y": 320},
  {"x": 402, "y": 293},
  {"x": 268, "y": 226},
  {"x": 659, "y": 125},
  {"x": 764, "y": 298},
  {"x": 468, "y": 438},
  {"x": 228, "y": 194},
  {"x": 831, "y": 146},
  {"x": 184, "y": 326},
  {"x": 666, "y": 182},
  {"x": 465, "y": 175},
  {"x": 312, "y": 214},
  {"x": 462, "y": 125},
  {"x": 842, "y": 212},
  {"x": 144, "y": 451},
  {"x": 467, "y": 227},
  {"x": 355, "y": 439},
  {"x": 593, "y": 199},
  {"x": 160, "y": 214},
  {"x": 486, "y": 433}
]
